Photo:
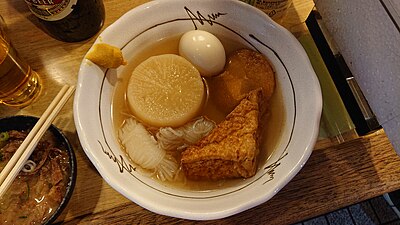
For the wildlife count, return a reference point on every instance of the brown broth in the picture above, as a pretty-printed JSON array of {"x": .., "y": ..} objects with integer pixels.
[
  {"x": 34, "y": 197},
  {"x": 272, "y": 128}
]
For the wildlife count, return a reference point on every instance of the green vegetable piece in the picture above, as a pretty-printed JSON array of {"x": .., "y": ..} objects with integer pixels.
[{"x": 4, "y": 136}]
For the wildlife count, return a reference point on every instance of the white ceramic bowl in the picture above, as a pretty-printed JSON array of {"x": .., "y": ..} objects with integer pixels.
[{"x": 296, "y": 79}]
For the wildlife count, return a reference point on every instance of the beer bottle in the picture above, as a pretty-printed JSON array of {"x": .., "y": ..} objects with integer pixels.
[
  {"x": 276, "y": 9},
  {"x": 69, "y": 20}
]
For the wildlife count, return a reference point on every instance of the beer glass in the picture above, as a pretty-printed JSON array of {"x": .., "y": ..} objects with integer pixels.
[{"x": 19, "y": 84}]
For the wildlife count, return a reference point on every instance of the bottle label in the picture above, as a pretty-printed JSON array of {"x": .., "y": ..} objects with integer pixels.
[{"x": 51, "y": 10}]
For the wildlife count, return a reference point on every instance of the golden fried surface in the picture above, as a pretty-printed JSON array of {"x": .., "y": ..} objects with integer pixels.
[
  {"x": 231, "y": 149},
  {"x": 246, "y": 70}
]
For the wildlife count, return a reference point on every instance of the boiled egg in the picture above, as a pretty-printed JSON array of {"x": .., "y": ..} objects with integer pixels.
[{"x": 204, "y": 50}]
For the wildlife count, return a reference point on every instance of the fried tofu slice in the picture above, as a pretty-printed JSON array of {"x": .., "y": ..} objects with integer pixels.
[{"x": 231, "y": 149}]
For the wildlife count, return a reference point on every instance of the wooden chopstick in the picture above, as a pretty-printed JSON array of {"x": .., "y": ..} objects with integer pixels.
[{"x": 17, "y": 161}]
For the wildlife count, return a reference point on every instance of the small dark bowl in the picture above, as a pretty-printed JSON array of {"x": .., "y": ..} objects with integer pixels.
[{"x": 21, "y": 123}]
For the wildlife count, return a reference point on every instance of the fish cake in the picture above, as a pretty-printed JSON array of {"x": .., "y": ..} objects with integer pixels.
[{"x": 245, "y": 71}]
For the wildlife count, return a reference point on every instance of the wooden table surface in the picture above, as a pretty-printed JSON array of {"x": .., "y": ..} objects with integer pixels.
[{"x": 335, "y": 176}]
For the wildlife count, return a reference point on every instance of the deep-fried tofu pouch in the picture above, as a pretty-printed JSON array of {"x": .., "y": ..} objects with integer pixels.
[
  {"x": 106, "y": 56},
  {"x": 231, "y": 149}
]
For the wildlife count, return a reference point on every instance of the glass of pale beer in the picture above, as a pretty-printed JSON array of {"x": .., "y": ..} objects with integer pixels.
[{"x": 19, "y": 84}]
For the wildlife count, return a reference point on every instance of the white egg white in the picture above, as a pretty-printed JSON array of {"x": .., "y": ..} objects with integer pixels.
[{"x": 204, "y": 50}]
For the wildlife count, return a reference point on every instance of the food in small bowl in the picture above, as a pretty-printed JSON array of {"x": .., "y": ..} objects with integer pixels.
[
  {"x": 44, "y": 186},
  {"x": 183, "y": 136}
]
